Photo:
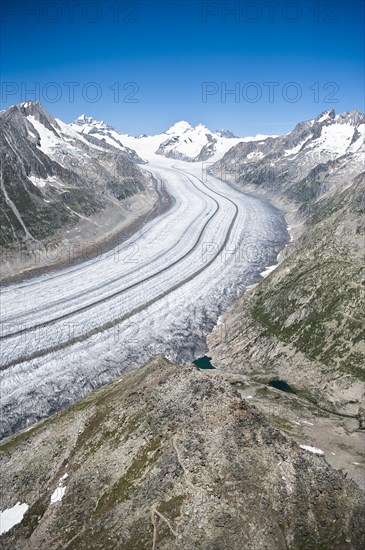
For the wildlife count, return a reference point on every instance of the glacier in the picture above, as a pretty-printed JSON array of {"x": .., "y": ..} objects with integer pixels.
[{"x": 68, "y": 331}]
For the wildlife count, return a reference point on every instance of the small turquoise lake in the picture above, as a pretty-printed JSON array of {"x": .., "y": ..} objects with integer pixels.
[{"x": 203, "y": 362}]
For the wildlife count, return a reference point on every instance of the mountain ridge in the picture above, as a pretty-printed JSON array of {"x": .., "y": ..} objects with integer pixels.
[
  {"x": 306, "y": 317},
  {"x": 168, "y": 457},
  {"x": 58, "y": 185},
  {"x": 180, "y": 141}
]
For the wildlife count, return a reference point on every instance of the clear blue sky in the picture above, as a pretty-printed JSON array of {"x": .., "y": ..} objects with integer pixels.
[{"x": 169, "y": 49}]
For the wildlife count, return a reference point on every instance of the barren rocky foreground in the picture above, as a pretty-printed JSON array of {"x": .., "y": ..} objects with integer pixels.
[{"x": 169, "y": 457}]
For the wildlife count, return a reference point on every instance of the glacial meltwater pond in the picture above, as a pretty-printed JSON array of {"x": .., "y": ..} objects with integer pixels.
[
  {"x": 203, "y": 362},
  {"x": 281, "y": 385}
]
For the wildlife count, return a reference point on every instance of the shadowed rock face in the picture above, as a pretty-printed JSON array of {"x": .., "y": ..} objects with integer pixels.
[
  {"x": 167, "y": 457},
  {"x": 222, "y": 132},
  {"x": 51, "y": 178}
]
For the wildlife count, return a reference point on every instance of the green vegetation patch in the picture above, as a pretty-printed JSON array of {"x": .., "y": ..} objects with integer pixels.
[
  {"x": 172, "y": 508},
  {"x": 126, "y": 485},
  {"x": 33, "y": 516}
]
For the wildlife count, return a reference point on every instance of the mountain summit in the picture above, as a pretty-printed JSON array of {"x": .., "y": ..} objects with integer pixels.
[
  {"x": 222, "y": 132},
  {"x": 180, "y": 141},
  {"x": 178, "y": 128},
  {"x": 88, "y": 122}
]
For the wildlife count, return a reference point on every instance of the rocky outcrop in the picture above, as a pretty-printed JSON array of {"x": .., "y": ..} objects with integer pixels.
[
  {"x": 167, "y": 457},
  {"x": 222, "y": 132}
]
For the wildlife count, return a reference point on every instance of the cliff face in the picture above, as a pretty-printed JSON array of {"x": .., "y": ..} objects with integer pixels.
[{"x": 169, "y": 457}]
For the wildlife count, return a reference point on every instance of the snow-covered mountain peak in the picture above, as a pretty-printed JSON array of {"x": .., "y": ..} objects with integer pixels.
[
  {"x": 100, "y": 131},
  {"x": 87, "y": 123},
  {"x": 30, "y": 105},
  {"x": 202, "y": 128},
  {"x": 36, "y": 110},
  {"x": 318, "y": 156},
  {"x": 180, "y": 141},
  {"x": 354, "y": 118},
  {"x": 222, "y": 132},
  {"x": 32, "y": 119},
  {"x": 83, "y": 119},
  {"x": 197, "y": 144},
  {"x": 178, "y": 128},
  {"x": 326, "y": 116}
]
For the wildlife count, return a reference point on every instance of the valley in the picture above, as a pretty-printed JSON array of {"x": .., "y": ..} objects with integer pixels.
[
  {"x": 161, "y": 291},
  {"x": 247, "y": 249}
]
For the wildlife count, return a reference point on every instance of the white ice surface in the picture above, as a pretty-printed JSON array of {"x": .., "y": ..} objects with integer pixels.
[
  {"x": 313, "y": 450},
  {"x": 59, "y": 492},
  {"x": 12, "y": 516}
]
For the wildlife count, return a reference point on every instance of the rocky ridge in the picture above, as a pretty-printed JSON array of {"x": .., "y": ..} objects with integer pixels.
[
  {"x": 167, "y": 457},
  {"x": 59, "y": 187}
]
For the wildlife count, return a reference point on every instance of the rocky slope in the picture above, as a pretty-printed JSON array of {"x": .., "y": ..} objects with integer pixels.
[
  {"x": 317, "y": 157},
  {"x": 304, "y": 323},
  {"x": 167, "y": 457},
  {"x": 53, "y": 180}
]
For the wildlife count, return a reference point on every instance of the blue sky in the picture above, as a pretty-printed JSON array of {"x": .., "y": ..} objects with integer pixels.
[{"x": 143, "y": 65}]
